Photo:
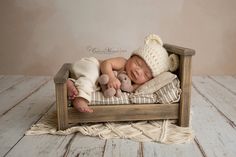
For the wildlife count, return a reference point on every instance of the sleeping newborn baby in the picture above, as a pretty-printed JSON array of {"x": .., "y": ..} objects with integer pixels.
[{"x": 145, "y": 63}]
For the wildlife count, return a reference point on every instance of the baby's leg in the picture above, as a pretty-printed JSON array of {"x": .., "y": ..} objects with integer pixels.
[
  {"x": 86, "y": 72},
  {"x": 71, "y": 89},
  {"x": 81, "y": 105}
]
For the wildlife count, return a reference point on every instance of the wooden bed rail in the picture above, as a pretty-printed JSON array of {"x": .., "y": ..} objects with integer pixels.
[
  {"x": 63, "y": 74},
  {"x": 179, "y": 50}
]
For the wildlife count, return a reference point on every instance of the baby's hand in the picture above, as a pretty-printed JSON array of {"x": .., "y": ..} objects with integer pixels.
[{"x": 114, "y": 83}]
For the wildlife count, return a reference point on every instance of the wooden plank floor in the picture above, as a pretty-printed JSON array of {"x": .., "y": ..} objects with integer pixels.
[{"x": 25, "y": 99}]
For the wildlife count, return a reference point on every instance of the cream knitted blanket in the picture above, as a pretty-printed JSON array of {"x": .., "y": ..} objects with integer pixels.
[{"x": 162, "y": 131}]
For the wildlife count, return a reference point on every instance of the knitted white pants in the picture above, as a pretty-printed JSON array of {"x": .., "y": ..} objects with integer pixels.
[{"x": 86, "y": 73}]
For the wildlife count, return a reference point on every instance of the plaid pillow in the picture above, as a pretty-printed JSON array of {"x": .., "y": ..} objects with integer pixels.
[
  {"x": 166, "y": 95},
  {"x": 98, "y": 99},
  {"x": 143, "y": 98},
  {"x": 169, "y": 93},
  {"x": 156, "y": 83}
]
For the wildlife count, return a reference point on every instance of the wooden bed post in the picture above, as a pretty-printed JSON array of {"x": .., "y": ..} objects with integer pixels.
[
  {"x": 185, "y": 76},
  {"x": 61, "y": 96},
  {"x": 62, "y": 111},
  {"x": 185, "y": 99}
]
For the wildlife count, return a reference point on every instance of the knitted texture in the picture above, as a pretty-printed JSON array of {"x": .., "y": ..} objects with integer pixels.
[{"x": 155, "y": 55}]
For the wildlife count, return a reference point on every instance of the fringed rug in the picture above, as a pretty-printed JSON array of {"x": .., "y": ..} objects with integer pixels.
[{"x": 162, "y": 131}]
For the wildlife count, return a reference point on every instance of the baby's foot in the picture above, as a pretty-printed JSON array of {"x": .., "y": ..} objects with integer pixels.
[
  {"x": 71, "y": 90},
  {"x": 82, "y": 105}
]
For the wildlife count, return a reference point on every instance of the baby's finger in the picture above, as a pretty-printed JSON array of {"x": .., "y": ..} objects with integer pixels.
[
  {"x": 109, "y": 86},
  {"x": 116, "y": 86}
]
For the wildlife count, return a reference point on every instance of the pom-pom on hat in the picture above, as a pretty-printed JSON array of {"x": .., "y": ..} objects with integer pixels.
[{"x": 156, "y": 56}]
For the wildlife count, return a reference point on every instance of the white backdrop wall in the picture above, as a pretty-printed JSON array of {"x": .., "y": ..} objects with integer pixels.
[{"x": 37, "y": 37}]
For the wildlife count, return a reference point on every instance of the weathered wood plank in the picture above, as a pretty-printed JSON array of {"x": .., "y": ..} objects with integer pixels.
[
  {"x": 43, "y": 145},
  {"x": 221, "y": 98},
  {"x": 63, "y": 74},
  {"x": 61, "y": 103},
  {"x": 214, "y": 132},
  {"x": 20, "y": 118},
  {"x": 9, "y": 80},
  {"x": 122, "y": 148},
  {"x": 179, "y": 50},
  {"x": 185, "y": 77},
  {"x": 125, "y": 113},
  {"x": 229, "y": 82},
  {"x": 15, "y": 94},
  {"x": 85, "y": 146},
  {"x": 1, "y": 76},
  {"x": 151, "y": 149}
]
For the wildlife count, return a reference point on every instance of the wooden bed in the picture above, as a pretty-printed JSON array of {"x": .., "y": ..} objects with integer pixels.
[{"x": 68, "y": 116}]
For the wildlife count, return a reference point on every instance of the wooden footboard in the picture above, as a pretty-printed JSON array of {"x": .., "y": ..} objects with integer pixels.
[{"x": 102, "y": 113}]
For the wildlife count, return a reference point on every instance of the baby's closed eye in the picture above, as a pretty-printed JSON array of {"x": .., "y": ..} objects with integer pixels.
[{"x": 138, "y": 63}]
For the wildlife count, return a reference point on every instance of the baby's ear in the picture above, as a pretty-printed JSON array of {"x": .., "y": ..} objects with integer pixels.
[
  {"x": 173, "y": 62},
  {"x": 153, "y": 39}
]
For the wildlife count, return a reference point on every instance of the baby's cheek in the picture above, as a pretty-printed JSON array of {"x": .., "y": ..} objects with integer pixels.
[
  {"x": 145, "y": 79},
  {"x": 140, "y": 80}
]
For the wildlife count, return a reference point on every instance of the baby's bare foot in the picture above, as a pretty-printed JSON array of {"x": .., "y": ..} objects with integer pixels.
[
  {"x": 82, "y": 105},
  {"x": 71, "y": 90}
]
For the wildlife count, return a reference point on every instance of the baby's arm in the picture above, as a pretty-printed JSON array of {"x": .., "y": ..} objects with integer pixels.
[{"x": 107, "y": 67}]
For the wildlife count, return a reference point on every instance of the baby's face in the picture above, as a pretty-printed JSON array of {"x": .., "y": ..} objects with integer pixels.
[{"x": 137, "y": 70}]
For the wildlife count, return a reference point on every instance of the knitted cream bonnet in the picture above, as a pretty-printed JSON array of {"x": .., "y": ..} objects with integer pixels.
[{"x": 156, "y": 56}]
